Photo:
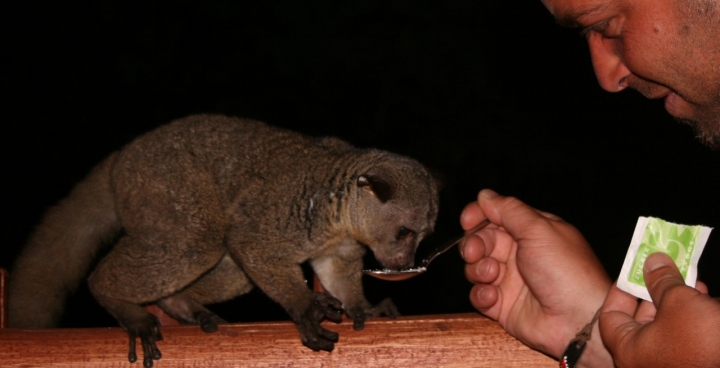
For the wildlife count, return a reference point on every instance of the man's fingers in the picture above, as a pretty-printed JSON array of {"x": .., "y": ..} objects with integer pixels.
[
  {"x": 485, "y": 271},
  {"x": 617, "y": 330},
  {"x": 550, "y": 215},
  {"x": 616, "y": 318},
  {"x": 645, "y": 312},
  {"x": 471, "y": 215},
  {"x": 472, "y": 248},
  {"x": 522, "y": 220},
  {"x": 485, "y": 298},
  {"x": 701, "y": 287},
  {"x": 619, "y": 301}
]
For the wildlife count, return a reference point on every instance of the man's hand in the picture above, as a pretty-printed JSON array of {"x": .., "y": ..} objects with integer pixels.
[
  {"x": 535, "y": 274},
  {"x": 681, "y": 327}
]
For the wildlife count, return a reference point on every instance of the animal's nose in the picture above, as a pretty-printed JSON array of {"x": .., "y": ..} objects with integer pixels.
[{"x": 399, "y": 262}]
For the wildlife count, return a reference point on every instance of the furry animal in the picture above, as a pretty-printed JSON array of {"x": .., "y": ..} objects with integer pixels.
[{"x": 205, "y": 208}]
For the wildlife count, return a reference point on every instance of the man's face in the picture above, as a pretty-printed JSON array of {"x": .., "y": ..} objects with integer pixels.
[{"x": 662, "y": 48}]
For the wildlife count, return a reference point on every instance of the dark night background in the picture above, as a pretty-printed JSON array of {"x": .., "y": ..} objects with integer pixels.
[{"x": 491, "y": 93}]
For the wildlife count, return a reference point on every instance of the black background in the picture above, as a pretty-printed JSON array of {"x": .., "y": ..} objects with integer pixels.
[{"x": 492, "y": 93}]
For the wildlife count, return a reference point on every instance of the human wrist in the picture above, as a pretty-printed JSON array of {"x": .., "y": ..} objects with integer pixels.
[
  {"x": 595, "y": 355},
  {"x": 586, "y": 349}
]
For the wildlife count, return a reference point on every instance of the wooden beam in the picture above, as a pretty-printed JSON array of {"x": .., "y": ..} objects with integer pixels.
[
  {"x": 457, "y": 340},
  {"x": 451, "y": 340},
  {"x": 3, "y": 298}
]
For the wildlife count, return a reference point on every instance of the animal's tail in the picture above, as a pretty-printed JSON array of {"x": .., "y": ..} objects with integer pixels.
[{"x": 58, "y": 254}]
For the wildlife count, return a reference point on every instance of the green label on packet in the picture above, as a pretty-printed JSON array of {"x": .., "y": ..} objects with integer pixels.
[
  {"x": 677, "y": 241},
  {"x": 683, "y": 243}
]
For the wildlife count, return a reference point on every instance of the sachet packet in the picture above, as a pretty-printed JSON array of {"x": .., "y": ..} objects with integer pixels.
[{"x": 683, "y": 243}]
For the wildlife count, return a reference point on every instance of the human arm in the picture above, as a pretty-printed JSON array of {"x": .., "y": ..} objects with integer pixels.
[
  {"x": 681, "y": 327},
  {"x": 535, "y": 274}
]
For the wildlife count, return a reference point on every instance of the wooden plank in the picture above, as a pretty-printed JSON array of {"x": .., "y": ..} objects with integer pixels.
[
  {"x": 3, "y": 298},
  {"x": 457, "y": 340}
]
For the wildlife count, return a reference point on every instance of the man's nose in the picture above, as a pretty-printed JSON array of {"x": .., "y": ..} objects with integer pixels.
[{"x": 611, "y": 72}]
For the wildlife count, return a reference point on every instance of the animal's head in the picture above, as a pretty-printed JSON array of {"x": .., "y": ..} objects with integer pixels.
[{"x": 395, "y": 204}]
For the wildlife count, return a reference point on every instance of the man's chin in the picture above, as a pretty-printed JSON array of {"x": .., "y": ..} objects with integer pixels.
[
  {"x": 703, "y": 118},
  {"x": 708, "y": 133}
]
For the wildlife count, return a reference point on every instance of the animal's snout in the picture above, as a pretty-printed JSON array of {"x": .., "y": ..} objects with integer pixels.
[{"x": 398, "y": 261}]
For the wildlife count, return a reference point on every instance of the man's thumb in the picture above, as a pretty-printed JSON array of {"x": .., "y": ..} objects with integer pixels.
[{"x": 661, "y": 274}]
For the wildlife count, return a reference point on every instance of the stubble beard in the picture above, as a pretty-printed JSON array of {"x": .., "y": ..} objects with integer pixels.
[
  {"x": 707, "y": 127},
  {"x": 706, "y": 120}
]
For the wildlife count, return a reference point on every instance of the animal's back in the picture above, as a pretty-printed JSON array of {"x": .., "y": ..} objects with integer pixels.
[
  {"x": 237, "y": 153},
  {"x": 266, "y": 177}
]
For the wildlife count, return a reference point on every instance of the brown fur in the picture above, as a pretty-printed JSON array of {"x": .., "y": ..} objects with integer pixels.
[{"x": 211, "y": 206}]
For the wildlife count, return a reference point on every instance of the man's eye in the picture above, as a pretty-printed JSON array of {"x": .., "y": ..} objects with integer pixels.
[
  {"x": 602, "y": 28},
  {"x": 404, "y": 233}
]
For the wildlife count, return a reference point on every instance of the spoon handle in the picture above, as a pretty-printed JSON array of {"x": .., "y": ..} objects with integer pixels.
[{"x": 444, "y": 248}]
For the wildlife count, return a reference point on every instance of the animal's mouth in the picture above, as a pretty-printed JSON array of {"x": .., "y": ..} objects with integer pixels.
[
  {"x": 398, "y": 264},
  {"x": 396, "y": 261},
  {"x": 373, "y": 260}
]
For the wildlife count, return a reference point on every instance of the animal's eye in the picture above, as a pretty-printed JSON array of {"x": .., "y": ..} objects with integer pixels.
[{"x": 404, "y": 233}]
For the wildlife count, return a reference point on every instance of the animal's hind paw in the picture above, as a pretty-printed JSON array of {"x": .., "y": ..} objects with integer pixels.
[{"x": 148, "y": 330}]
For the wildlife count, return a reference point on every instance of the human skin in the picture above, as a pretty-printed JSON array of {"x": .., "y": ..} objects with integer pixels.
[
  {"x": 535, "y": 274},
  {"x": 661, "y": 48},
  {"x": 680, "y": 328}
]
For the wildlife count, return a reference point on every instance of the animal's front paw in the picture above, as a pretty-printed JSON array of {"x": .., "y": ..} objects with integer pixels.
[
  {"x": 148, "y": 330},
  {"x": 311, "y": 333},
  {"x": 359, "y": 315}
]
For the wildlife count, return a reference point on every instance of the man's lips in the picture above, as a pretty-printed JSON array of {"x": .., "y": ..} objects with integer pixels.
[
  {"x": 671, "y": 100},
  {"x": 675, "y": 105},
  {"x": 671, "y": 104},
  {"x": 660, "y": 95}
]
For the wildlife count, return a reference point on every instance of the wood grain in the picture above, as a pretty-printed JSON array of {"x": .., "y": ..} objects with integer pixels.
[
  {"x": 453, "y": 340},
  {"x": 3, "y": 298},
  {"x": 458, "y": 340}
]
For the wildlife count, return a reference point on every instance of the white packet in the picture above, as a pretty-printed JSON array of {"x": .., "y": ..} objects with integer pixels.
[{"x": 683, "y": 243}]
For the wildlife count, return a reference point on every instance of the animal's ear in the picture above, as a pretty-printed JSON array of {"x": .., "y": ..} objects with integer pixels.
[
  {"x": 380, "y": 188},
  {"x": 437, "y": 177}
]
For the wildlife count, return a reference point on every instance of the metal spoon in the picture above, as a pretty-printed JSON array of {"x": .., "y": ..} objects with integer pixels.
[{"x": 404, "y": 274}]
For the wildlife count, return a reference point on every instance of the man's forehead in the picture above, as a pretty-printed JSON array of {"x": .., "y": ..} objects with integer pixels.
[{"x": 569, "y": 12}]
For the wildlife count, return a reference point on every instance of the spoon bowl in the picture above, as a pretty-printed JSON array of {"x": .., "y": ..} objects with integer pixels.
[{"x": 406, "y": 273}]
